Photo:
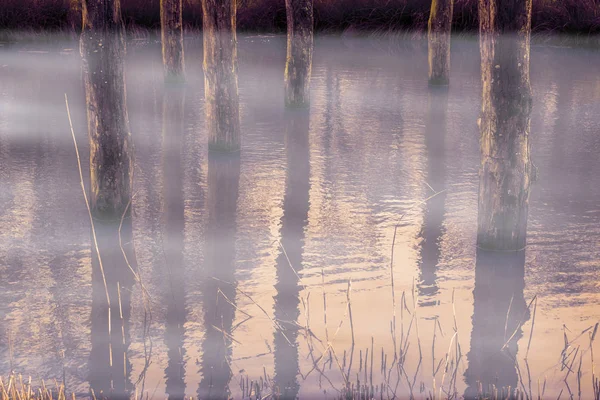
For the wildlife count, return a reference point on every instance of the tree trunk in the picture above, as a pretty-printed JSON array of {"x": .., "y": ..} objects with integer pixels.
[
  {"x": 220, "y": 75},
  {"x": 438, "y": 35},
  {"x": 299, "y": 52},
  {"x": 505, "y": 122},
  {"x": 171, "y": 31},
  {"x": 103, "y": 51},
  {"x": 74, "y": 15}
]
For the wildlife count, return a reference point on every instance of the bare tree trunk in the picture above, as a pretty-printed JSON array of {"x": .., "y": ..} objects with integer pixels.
[
  {"x": 171, "y": 31},
  {"x": 220, "y": 75},
  {"x": 103, "y": 50},
  {"x": 505, "y": 122},
  {"x": 299, "y": 52},
  {"x": 74, "y": 15},
  {"x": 438, "y": 35}
]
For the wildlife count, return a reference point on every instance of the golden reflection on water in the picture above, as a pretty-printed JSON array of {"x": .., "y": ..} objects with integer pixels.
[{"x": 369, "y": 161}]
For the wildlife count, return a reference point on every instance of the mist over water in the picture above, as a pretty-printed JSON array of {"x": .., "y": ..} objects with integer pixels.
[{"x": 331, "y": 185}]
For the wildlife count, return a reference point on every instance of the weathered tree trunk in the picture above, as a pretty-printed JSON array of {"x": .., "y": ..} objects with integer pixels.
[
  {"x": 103, "y": 51},
  {"x": 171, "y": 31},
  {"x": 173, "y": 239},
  {"x": 299, "y": 52},
  {"x": 505, "y": 122},
  {"x": 220, "y": 75},
  {"x": 438, "y": 35},
  {"x": 499, "y": 309},
  {"x": 289, "y": 263},
  {"x": 74, "y": 15},
  {"x": 223, "y": 177}
]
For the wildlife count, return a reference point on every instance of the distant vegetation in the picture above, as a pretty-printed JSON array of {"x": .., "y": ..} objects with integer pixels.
[{"x": 572, "y": 16}]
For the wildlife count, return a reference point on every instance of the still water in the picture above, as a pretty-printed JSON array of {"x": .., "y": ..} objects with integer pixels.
[{"x": 338, "y": 187}]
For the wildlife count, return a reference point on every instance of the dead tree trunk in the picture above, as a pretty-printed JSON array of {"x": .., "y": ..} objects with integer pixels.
[
  {"x": 74, "y": 15},
  {"x": 171, "y": 30},
  {"x": 220, "y": 75},
  {"x": 103, "y": 50},
  {"x": 505, "y": 122},
  {"x": 299, "y": 52},
  {"x": 438, "y": 35}
]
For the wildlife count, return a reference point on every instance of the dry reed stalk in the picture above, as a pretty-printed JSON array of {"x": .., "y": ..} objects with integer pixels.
[
  {"x": 324, "y": 305},
  {"x": 594, "y": 380},
  {"x": 275, "y": 323},
  {"x": 520, "y": 324},
  {"x": 87, "y": 204}
]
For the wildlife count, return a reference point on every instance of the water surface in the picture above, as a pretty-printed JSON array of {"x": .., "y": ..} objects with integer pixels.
[{"x": 331, "y": 185}]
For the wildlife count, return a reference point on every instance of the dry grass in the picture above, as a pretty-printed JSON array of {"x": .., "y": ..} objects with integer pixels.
[
  {"x": 15, "y": 388},
  {"x": 573, "y": 16}
]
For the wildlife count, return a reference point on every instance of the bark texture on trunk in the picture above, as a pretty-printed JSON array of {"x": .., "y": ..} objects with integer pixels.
[
  {"x": 103, "y": 51},
  {"x": 505, "y": 122},
  {"x": 438, "y": 35},
  {"x": 102, "y": 48},
  {"x": 74, "y": 15},
  {"x": 299, "y": 52},
  {"x": 220, "y": 75},
  {"x": 171, "y": 31}
]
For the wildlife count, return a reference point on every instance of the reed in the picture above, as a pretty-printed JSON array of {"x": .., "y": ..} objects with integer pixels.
[{"x": 15, "y": 388}]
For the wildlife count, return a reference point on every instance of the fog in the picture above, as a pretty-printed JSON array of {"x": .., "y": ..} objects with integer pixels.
[{"x": 248, "y": 267}]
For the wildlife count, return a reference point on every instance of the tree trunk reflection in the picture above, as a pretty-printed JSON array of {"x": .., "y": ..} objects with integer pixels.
[
  {"x": 173, "y": 239},
  {"x": 289, "y": 263},
  {"x": 499, "y": 312},
  {"x": 112, "y": 282},
  {"x": 219, "y": 291},
  {"x": 432, "y": 230}
]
